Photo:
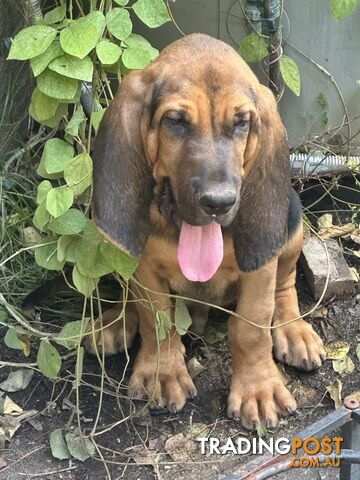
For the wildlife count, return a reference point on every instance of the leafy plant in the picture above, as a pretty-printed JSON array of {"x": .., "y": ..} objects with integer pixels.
[{"x": 67, "y": 55}]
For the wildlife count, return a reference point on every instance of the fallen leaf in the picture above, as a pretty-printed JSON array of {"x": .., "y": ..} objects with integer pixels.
[
  {"x": 337, "y": 350},
  {"x": 17, "y": 380},
  {"x": 354, "y": 274},
  {"x": 215, "y": 331},
  {"x": 3, "y": 463},
  {"x": 145, "y": 456},
  {"x": 344, "y": 366},
  {"x": 194, "y": 367},
  {"x": 320, "y": 313},
  {"x": 335, "y": 392},
  {"x": 35, "y": 423},
  {"x": 10, "y": 407},
  {"x": 79, "y": 447},
  {"x": 196, "y": 430},
  {"x": 355, "y": 236},
  {"x": 336, "y": 231},
  {"x": 181, "y": 449},
  {"x": 8, "y": 426},
  {"x": 31, "y": 236},
  {"x": 358, "y": 351},
  {"x": 58, "y": 446},
  {"x": 325, "y": 221}
]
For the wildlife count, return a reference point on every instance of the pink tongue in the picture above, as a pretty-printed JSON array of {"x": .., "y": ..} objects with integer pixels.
[{"x": 200, "y": 251}]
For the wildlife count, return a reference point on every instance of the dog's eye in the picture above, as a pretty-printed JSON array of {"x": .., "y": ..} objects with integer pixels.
[
  {"x": 242, "y": 120},
  {"x": 176, "y": 122}
]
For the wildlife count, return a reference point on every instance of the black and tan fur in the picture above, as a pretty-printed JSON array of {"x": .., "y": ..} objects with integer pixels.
[{"x": 172, "y": 122}]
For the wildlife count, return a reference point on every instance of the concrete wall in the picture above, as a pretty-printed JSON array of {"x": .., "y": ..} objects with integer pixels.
[{"x": 310, "y": 27}]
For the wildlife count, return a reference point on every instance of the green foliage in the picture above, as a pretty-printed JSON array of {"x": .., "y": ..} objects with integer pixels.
[
  {"x": 152, "y": 12},
  {"x": 31, "y": 42},
  {"x": 254, "y": 48},
  {"x": 118, "y": 22},
  {"x": 342, "y": 8},
  {"x": 163, "y": 324},
  {"x": 182, "y": 317},
  {"x": 290, "y": 74},
  {"x": 48, "y": 359}
]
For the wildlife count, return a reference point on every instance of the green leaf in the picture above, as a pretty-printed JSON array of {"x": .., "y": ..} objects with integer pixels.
[
  {"x": 163, "y": 324},
  {"x": 96, "y": 118},
  {"x": 71, "y": 334},
  {"x": 43, "y": 189},
  {"x": 136, "y": 58},
  {"x": 107, "y": 52},
  {"x": 79, "y": 38},
  {"x": 46, "y": 257},
  {"x": 48, "y": 359},
  {"x": 119, "y": 23},
  {"x": 85, "y": 285},
  {"x": 78, "y": 118},
  {"x": 12, "y": 340},
  {"x": 58, "y": 446},
  {"x": 31, "y": 41},
  {"x": 254, "y": 48},
  {"x": 89, "y": 260},
  {"x": 56, "y": 15},
  {"x": 57, "y": 86},
  {"x": 80, "y": 69},
  {"x": 70, "y": 223},
  {"x": 97, "y": 19},
  {"x": 120, "y": 261},
  {"x": 57, "y": 155},
  {"x": 358, "y": 351},
  {"x": 78, "y": 173},
  {"x": 138, "y": 53},
  {"x": 42, "y": 107},
  {"x": 41, "y": 216},
  {"x": 152, "y": 12},
  {"x": 62, "y": 246},
  {"x": 182, "y": 317},
  {"x": 39, "y": 63},
  {"x": 59, "y": 200},
  {"x": 52, "y": 122},
  {"x": 290, "y": 73},
  {"x": 80, "y": 448},
  {"x": 342, "y": 8},
  {"x": 121, "y": 2},
  {"x": 17, "y": 380}
]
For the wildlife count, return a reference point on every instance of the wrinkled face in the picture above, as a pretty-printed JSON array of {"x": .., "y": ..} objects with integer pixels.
[{"x": 198, "y": 142}]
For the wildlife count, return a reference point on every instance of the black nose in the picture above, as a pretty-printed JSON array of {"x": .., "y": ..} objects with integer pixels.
[{"x": 217, "y": 203}]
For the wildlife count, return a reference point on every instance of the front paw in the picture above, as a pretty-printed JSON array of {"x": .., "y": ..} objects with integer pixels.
[
  {"x": 298, "y": 345},
  {"x": 167, "y": 383},
  {"x": 259, "y": 398}
]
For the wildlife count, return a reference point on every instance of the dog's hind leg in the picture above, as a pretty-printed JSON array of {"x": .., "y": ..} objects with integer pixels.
[
  {"x": 296, "y": 343},
  {"x": 109, "y": 332}
]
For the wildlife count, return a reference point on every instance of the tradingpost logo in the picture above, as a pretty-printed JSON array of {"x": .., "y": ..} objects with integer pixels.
[{"x": 310, "y": 452}]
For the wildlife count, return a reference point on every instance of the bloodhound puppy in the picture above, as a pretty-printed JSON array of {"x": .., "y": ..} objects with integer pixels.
[{"x": 192, "y": 176}]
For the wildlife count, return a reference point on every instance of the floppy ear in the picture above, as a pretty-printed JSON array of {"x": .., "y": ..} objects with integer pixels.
[
  {"x": 122, "y": 178},
  {"x": 261, "y": 225}
]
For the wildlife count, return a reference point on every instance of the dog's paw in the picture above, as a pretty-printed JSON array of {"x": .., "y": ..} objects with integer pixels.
[
  {"x": 109, "y": 334},
  {"x": 167, "y": 384},
  {"x": 259, "y": 399},
  {"x": 298, "y": 345}
]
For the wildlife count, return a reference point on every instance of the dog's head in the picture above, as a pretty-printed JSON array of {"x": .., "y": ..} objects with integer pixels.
[{"x": 197, "y": 122}]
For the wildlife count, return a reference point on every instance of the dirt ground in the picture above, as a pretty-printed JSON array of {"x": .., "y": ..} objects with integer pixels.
[{"x": 149, "y": 436}]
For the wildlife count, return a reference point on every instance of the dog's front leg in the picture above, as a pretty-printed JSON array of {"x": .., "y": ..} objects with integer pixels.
[
  {"x": 159, "y": 371},
  {"x": 257, "y": 394}
]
